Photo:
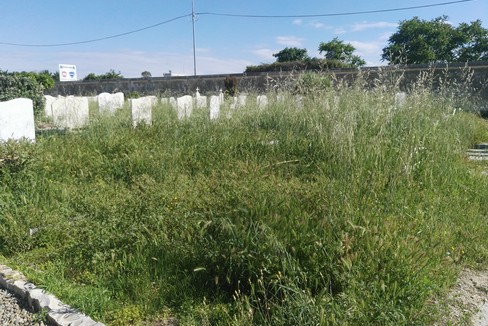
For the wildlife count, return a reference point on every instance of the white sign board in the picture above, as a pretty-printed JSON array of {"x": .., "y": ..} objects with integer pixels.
[{"x": 67, "y": 72}]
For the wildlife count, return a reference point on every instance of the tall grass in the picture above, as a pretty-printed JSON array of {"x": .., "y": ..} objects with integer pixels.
[{"x": 347, "y": 210}]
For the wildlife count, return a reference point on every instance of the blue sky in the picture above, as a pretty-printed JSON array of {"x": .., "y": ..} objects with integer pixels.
[{"x": 223, "y": 44}]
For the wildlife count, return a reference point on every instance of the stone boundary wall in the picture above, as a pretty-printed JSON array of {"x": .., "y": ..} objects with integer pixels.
[{"x": 263, "y": 82}]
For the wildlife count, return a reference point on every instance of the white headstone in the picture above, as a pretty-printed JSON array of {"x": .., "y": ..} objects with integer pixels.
[
  {"x": 242, "y": 100},
  {"x": 400, "y": 99},
  {"x": 234, "y": 103},
  {"x": 214, "y": 107},
  {"x": 70, "y": 112},
  {"x": 221, "y": 96},
  {"x": 185, "y": 106},
  {"x": 201, "y": 102},
  {"x": 17, "y": 120},
  {"x": 262, "y": 101},
  {"x": 299, "y": 101},
  {"x": 154, "y": 99},
  {"x": 109, "y": 103},
  {"x": 47, "y": 106},
  {"x": 141, "y": 109}
]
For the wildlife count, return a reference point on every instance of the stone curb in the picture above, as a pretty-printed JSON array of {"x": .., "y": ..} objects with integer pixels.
[{"x": 58, "y": 313}]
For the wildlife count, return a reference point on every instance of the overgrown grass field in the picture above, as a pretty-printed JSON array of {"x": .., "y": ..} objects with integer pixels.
[{"x": 347, "y": 210}]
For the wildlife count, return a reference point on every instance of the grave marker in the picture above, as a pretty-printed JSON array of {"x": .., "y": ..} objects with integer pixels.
[
  {"x": 185, "y": 106},
  {"x": 48, "y": 112},
  {"x": 262, "y": 101},
  {"x": 242, "y": 100},
  {"x": 70, "y": 112},
  {"x": 201, "y": 102},
  {"x": 17, "y": 120},
  {"x": 141, "y": 109},
  {"x": 214, "y": 107},
  {"x": 400, "y": 99},
  {"x": 109, "y": 103}
]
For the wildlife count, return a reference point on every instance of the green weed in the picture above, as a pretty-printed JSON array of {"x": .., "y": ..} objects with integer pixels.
[{"x": 345, "y": 210}]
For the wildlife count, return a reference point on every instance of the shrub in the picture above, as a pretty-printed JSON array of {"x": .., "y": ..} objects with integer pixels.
[
  {"x": 311, "y": 64},
  {"x": 16, "y": 85},
  {"x": 230, "y": 84},
  {"x": 111, "y": 74},
  {"x": 310, "y": 83}
]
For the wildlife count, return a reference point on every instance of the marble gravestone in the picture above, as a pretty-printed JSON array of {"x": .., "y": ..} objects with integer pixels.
[
  {"x": 185, "y": 106},
  {"x": 201, "y": 102},
  {"x": 109, "y": 103},
  {"x": 141, "y": 109},
  {"x": 241, "y": 100},
  {"x": 262, "y": 101},
  {"x": 400, "y": 99},
  {"x": 17, "y": 120},
  {"x": 47, "y": 106},
  {"x": 214, "y": 107},
  {"x": 70, "y": 112}
]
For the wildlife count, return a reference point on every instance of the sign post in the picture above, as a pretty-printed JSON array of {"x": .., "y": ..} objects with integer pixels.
[{"x": 67, "y": 72}]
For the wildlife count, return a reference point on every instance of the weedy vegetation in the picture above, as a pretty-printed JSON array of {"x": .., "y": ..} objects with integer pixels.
[{"x": 342, "y": 209}]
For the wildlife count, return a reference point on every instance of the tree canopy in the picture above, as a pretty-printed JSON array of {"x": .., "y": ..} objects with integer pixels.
[
  {"x": 422, "y": 41},
  {"x": 337, "y": 55},
  {"x": 111, "y": 74},
  {"x": 338, "y": 50},
  {"x": 291, "y": 54}
]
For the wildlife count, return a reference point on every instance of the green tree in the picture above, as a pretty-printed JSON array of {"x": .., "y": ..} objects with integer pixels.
[
  {"x": 422, "y": 41},
  {"x": 111, "y": 74},
  {"x": 146, "y": 74},
  {"x": 44, "y": 77},
  {"x": 338, "y": 50},
  {"x": 474, "y": 42},
  {"x": 22, "y": 84},
  {"x": 291, "y": 54}
]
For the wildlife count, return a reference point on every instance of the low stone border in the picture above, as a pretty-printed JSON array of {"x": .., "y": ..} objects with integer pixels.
[{"x": 58, "y": 313}]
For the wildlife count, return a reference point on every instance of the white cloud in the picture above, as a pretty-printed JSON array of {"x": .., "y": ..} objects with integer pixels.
[
  {"x": 369, "y": 51},
  {"x": 319, "y": 25},
  {"x": 202, "y": 50},
  {"x": 358, "y": 27},
  {"x": 297, "y": 22},
  {"x": 264, "y": 53},
  {"x": 340, "y": 30},
  {"x": 289, "y": 41},
  {"x": 129, "y": 63}
]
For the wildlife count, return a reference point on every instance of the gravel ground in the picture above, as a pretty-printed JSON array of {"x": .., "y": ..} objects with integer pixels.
[
  {"x": 13, "y": 312},
  {"x": 468, "y": 300}
]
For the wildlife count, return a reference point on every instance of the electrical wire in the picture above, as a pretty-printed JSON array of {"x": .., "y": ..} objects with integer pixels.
[
  {"x": 98, "y": 39},
  {"x": 237, "y": 15},
  {"x": 334, "y": 14}
]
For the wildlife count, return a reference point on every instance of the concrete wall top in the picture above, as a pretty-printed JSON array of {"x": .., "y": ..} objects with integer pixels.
[{"x": 247, "y": 82}]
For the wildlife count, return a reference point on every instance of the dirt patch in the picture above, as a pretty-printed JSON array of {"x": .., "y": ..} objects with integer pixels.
[{"x": 468, "y": 300}]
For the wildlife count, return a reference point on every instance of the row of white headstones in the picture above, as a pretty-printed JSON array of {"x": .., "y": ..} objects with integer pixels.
[{"x": 72, "y": 112}]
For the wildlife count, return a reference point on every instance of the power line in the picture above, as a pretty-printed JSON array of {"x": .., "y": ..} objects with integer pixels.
[
  {"x": 334, "y": 14},
  {"x": 101, "y": 38}
]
